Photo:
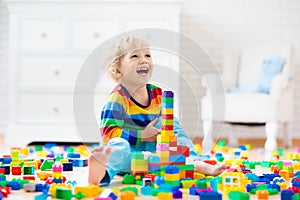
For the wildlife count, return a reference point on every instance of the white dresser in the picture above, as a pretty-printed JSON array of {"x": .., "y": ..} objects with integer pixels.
[{"x": 49, "y": 41}]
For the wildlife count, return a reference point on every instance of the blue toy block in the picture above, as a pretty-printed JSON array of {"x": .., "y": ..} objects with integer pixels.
[
  {"x": 57, "y": 180},
  {"x": 15, "y": 185},
  {"x": 177, "y": 194},
  {"x": 68, "y": 166},
  {"x": 250, "y": 187},
  {"x": 146, "y": 191},
  {"x": 165, "y": 188},
  {"x": 153, "y": 168},
  {"x": 286, "y": 194},
  {"x": 1, "y": 196},
  {"x": 73, "y": 155},
  {"x": 159, "y": 180},
  {"x": 214, "y": 184},
  {"x": 193, "y": 190},
  {"x": 296, "y": 184},
  {"x": 154, "y": 159},
  {"x": 7, "y": 161},
  {"x": 79, "y": 163},
  {"x": 171, "y": 170},
  {"x": 210, "y": 196},
  {"x": 271, "y": 176},
  {"x": 176, "y": 158},
  {"x": 297, "y": 174}
]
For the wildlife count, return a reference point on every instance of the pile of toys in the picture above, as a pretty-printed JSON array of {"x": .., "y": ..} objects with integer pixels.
[{"x": 166, "y": 174}]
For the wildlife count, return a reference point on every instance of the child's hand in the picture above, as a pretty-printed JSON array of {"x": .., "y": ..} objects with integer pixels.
[{"x": 150, "y": 132}]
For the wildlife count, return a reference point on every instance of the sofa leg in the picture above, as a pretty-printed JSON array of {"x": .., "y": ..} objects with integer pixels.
[
  {"x": 208, "y": 141},
  {"x": 271, "y": 133},
  {"x": 287, "y": 138}
]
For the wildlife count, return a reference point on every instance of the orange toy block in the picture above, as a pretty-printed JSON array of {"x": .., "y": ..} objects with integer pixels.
[{"x": 262, "y": 195}]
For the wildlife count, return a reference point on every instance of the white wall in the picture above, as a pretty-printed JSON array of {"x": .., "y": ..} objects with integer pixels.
[
  {"x": 3, "y": 67},
  {"x": 213, "y": 23},
  {"x": 210, "y": 23}
]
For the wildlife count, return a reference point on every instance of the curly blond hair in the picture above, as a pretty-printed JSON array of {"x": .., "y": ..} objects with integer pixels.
[{"x": 125, "y": 45}]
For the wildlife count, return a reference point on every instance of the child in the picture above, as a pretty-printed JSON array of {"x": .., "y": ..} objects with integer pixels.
[{"x": 130, "y": 119}]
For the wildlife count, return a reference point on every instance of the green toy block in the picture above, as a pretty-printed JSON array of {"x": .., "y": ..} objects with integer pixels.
[
  {"x": 167, "y": 100},
  {"x": 133, "y": 189},
  {"x": 79, "y": 195},
  {"x": 296, "y": 196},
  {"x": 139, "y": 182},
  {"x": 138, "y": 155},
  {"x": 128, "y": 179},
  {"x": 220, "y": 159},
  {"x": 280, "y": 151},
  {"x": 222, "y": 143},
  {"x": 154, "y": 192},
  {"x": 201, "y": 184},
  {"x": 47, "y": 165},
  {"x": 173, "y": 183},
  {"x": 63, "y": 193},
  {"x": 3, "y": 183},
  {"x": 38, "y": 148},
  {"x": 70, "y": 150},
  {"x": 237, "y": 195},
  {"x": 186, "y": 167}
]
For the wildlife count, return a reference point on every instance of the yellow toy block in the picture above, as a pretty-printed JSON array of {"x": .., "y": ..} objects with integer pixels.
[
  {"x": 57, "y": 175},
  {"x": 88, "y": 191},
  {"x": 188, "y": 183},
  {"x": 24, "y": 151},
  {"x": 163, "y": 138},
  {"x": 42, "y": 154},
  {"x": 284, "y": 174},
  {"x": 31, "y": 163},
  {"x": 198, "y": 176},
  {"x": 167, "y": 111},
  {"x": 172, "y": 177},
  {"x": 43, "y": 175},
  {"x": 139, "y": 168},
  {"x": 282, "y": 185},
  {"x": 165, "y": 196},
  {"x": 63, "y": 160},
  {"x": 139, "y": 162},
  {"x": 296, "y": 166},
  {"x": 52, "y": 189}
]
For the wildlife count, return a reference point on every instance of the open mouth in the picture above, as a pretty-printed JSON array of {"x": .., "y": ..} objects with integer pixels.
[{"x": 143, "y": 69}]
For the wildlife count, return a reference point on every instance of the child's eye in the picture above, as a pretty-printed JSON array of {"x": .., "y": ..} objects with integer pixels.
[
  {"x": 134, "y": 56},
  {"x": 148, "y": 55}
]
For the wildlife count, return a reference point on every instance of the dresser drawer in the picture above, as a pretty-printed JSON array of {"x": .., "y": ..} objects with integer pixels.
[
  {"x": 49, "y": 71},
  {"x": 42, "y": 33},
  {"x": 88, "y": 33},
  {"x": 45, "y": 108}
]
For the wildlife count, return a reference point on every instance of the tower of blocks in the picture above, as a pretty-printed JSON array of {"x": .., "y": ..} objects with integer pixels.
[{"x": 168, "y": 152}]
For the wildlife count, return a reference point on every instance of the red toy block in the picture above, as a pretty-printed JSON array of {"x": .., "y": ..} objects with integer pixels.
[
  {"x": 152, "y": 176},
  {"x": 2, "y": 171},
  {"x": 183, "y": 150},
  {"x": 189, "y": 174},
  {"x": 211, "y": 162},
  {"x": 16, "y": 170},
  {"x": 28, "y": 178}
]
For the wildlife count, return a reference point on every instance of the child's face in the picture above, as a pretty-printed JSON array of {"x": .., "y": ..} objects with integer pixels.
[{"x": 136, "y": 67}]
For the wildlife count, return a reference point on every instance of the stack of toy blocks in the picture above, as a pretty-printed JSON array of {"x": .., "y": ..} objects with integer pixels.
[
  {"x": 139, "y": 165},
  {"x": 168, "y": 153},
  {"x": 57, "y": 173}
]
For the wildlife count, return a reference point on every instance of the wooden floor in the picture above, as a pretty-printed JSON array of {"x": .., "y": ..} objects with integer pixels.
[{"x": 80, "y": 175}]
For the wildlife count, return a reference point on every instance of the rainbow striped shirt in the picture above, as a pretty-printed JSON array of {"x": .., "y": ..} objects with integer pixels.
[{"x": 122, "y": 116}]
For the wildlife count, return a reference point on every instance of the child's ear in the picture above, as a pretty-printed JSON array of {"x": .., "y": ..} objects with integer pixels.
[{"x": 117, "y": 73}]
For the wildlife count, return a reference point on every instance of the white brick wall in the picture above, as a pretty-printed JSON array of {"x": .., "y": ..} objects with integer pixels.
[
  {"x": 213, "y": 23},
  {"x": 210, "y": 23}
]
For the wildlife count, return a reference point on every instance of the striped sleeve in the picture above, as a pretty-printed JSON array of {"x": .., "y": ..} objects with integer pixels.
[{"x": 112, "y": 121}]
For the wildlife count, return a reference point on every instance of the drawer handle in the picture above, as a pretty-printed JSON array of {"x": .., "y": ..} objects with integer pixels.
[
  {"x": 56, "y": 109},
  {"x": 56, "y": 72},
  {"x": 44, "y": 35},
  {"x": 96, "y": 35}
]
